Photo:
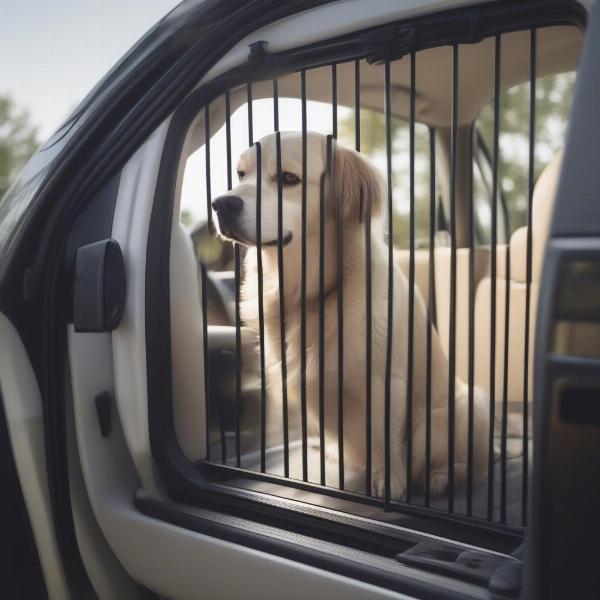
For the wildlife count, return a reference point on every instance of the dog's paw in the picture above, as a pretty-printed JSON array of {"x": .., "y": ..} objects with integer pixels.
[
  {"x": 397, "y": 486},
  {"x": 438, "y": 483}
]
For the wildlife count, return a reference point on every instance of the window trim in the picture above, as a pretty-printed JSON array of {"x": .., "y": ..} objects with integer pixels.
[{"x": 183, "y": 480}]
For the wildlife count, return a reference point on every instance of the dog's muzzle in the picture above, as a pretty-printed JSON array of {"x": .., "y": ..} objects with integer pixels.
[{"x": 228, "y": 209}]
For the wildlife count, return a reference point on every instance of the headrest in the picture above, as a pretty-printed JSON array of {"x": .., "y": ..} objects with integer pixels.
[{"x": 544, "y": 193}]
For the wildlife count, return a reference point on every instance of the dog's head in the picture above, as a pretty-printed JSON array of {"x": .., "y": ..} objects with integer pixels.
[{"x": 348, "y": 184}]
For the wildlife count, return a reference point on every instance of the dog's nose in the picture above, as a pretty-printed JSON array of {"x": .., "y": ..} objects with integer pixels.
[{"x": 228, "y": 204}]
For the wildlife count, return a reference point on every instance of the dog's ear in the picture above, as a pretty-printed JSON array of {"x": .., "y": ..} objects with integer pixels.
[{"x": 355, "y": 187}]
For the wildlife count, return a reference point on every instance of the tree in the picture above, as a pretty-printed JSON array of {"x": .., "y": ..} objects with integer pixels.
[
  {"x": 553, "y": 102},
  {"x": 373, "y": 145},
  {"x": 187, "y": 218},
  {"x": 18, "y": 141}
]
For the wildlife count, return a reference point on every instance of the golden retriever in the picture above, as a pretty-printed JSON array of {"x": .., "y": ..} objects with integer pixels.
[{"x": 355, "y": 188}]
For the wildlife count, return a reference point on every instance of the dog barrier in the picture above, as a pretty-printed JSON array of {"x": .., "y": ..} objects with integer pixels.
[{"x": 225, "y": 449}]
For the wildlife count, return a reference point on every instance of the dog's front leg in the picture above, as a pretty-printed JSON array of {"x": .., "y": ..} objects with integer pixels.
[{"x": 397, "y": 428}]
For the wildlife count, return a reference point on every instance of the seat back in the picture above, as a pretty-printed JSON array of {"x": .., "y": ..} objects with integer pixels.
[{"x": 516, "y": 281}]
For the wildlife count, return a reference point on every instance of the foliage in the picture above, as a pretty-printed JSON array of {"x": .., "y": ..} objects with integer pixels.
[
  {"x": 187, "y": 218},
  {"x": 18, "y": 141},
  {"x": 372, "y": 143},
  {"x": 553, "y": 101}
]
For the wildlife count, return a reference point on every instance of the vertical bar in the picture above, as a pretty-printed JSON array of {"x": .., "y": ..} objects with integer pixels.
[
  {"x": 430, "y": 309},
  {"x": 322, "y": 319},
  {"x": 223, "y": 440},
  {"x": 261, "y": 311},
  {"x": 505, "y": 387},
  {"x": 471, "y": 350},
  {"x": 284, "y": 398},
  {"x": 204, "y": 276},
  {"x": 411, "y": 286},
  {"x": 259, "y": 271},
  {"x": 390, "y": 299},
  {"x": 357, "y": 105},
  {"x": 368, "y": 293},
  {"x": 303, "y": 285},
  {"x": 340, "y": 287},
  {"x": 275, "y": 106},
  {"x": 531, "y": 175},
  {"x": 334, "y": 100},
  {"x": 237, "y": 267},
  {"x": 452, "y": 320},
  {"x": 250, "y": 119},
  {"x": 490, "y": 507}
]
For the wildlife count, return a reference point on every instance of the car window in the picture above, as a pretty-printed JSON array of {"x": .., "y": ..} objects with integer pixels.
[
  {"x": 193, "y": 214},
  {"x": 553, "y": 102}
]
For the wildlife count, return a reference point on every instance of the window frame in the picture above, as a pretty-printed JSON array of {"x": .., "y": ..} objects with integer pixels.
[{"x": 184, "y": 481}]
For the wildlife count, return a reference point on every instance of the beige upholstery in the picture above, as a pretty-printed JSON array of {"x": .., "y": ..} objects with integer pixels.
[
  {"x": 543, "y": 200},
  {"x": 442, "y": 300}
]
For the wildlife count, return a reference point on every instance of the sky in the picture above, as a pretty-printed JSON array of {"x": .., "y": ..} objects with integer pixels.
[{"x": 54, "y": 51}]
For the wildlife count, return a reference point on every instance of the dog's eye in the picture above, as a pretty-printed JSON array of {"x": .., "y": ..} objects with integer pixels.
[
  {"x": 241, "y": 174},
  {"x": 288, "y": 178}
]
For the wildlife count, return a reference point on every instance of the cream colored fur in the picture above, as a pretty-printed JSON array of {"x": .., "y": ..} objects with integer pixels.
[{"x": 357, "y": 187}]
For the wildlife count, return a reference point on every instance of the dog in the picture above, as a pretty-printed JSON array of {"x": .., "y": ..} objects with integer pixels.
[{"x": 351, "y": 190}]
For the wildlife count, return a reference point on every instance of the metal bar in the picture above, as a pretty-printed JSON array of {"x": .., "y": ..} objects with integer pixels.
[
  {"x": 303, "y": 285},
  {"x": 275, "y": 105},
  {"x": 452, "y": 319},
  {"x": 411, "y": 286},
  {"x": 430, "y": 307},
  {"x": 211, "y": 225},
  {"x": 357, "y": 105},
  {"x": 340, "y": 283},
  {"x": 284, "y": 395},
  {"x": 471, "y": 350},
  {"x": 250, "y": 119},
  {"x": 368, "y": 293},
  {"x": 390, "y": 299},
  {"x": 492, "y": 387},
  {"x": 503, "y": 482},
  {"x": 322, "y": 322},
  {"x": 237, "y": 267},
  {"x": 531, "y": 182},
  {"x": 261, "y": 311},
  {"x": 334, "y": 100},
  {"x": 204, "y": 276}
]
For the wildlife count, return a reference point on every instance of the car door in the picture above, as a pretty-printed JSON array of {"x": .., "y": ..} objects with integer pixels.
[{"x": 107, "y": 379}]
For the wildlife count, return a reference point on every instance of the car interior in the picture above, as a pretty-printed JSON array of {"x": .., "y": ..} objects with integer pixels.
[
  {"x": 152, "y": 470},
  {"x": 558, "y": 50}
]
